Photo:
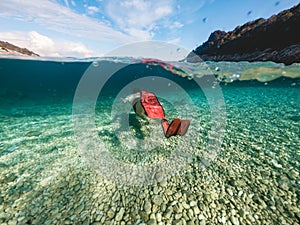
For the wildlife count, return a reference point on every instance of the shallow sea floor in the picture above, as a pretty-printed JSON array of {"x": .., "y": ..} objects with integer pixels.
[{"x": 253, "y": 180}]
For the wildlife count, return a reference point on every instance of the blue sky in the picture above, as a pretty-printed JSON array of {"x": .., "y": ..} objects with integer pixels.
[{"x": 60, "y": 28}]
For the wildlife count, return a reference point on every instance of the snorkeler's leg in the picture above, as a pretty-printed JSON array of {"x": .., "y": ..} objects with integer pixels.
[{"x": 138, "y": 108}]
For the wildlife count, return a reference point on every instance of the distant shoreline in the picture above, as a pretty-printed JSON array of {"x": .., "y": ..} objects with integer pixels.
[
  {"x": 10, "y": 49},
  {"x": 275, "y": 39}
]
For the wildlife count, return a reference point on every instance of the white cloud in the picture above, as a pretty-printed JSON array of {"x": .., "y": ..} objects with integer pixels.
[
  {"x": 45, "y": 46},
  {"x": 140, "y": 34},
  {"x": 174, "y": 41},
  {"x": 176, "y": 25},
  {"x": 162, "y": 11},
  {"x": 129, "y": 21},
  {"x": 66, "y": 3},
  {"x": 51, "y": 15},
  {"x": 151, "y": 49},
  {"x": 134, "y": 15},
  {"x": 39, "y": 43},
  {"x": 91, "y": 10}
]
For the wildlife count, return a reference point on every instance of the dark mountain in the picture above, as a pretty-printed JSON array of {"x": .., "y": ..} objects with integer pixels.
[
  {"x": 275, "y": 39},
  {"x": 7, "y": 48}
]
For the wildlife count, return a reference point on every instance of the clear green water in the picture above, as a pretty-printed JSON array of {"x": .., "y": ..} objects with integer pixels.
[{"x": 45, "y": 179}]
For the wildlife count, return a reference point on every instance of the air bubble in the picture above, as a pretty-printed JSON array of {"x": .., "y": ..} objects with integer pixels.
[
  {"x": 215, "y": 83},
  {"x": 95, "y": 64},
  {"x": 169, "y": 84},
  {"x": 235, "y": 75},
  {"x": 190, "y": 77}
]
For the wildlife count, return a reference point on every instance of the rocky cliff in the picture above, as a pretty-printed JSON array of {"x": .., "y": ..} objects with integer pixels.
[
  {"x": 10, "y": 49},
  {"x": 275, "y": 39}
]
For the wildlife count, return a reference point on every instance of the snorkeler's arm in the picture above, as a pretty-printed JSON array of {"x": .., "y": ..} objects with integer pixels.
[{"x": 131, "y": 98}]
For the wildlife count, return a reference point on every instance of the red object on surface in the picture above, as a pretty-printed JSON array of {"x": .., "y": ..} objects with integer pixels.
[{"x": 151, "y": 105}]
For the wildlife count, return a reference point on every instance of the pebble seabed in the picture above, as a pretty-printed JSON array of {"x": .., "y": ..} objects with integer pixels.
[{"x": 254, "y": 179}]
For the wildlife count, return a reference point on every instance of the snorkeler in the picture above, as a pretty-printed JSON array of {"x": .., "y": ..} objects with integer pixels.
[{"x": 146, "y": 103}]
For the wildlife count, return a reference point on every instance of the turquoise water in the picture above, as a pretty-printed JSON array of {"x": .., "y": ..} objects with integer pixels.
[{"x": 68, "y": 157}]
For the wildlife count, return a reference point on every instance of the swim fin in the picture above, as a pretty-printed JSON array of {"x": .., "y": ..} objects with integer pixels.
[
  {"x": 173, "y": 128},
  {"x": 165, "y": 125},
  {"x": 184, "y": 125},
  {"x": 176, "y": 127}
]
